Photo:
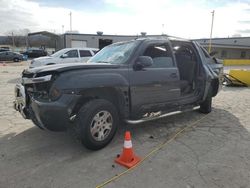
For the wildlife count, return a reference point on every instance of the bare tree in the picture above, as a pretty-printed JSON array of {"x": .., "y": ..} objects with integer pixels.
[{"x": 18, "y": 37}]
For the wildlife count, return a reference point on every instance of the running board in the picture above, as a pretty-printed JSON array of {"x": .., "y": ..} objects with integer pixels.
[{"x": 160, "y": 116}]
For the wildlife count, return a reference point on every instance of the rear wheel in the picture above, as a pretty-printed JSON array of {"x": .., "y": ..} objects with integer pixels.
[{"x": 97, "y": 122}]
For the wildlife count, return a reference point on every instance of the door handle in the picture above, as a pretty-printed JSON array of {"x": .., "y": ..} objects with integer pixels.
[{"x": 173, "y": 75}]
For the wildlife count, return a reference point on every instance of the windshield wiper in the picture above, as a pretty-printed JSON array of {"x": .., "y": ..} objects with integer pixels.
[{"x": 102, "y": 62}]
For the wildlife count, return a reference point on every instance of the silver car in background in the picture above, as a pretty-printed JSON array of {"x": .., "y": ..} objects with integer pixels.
[{"x": 11, "y": 56}]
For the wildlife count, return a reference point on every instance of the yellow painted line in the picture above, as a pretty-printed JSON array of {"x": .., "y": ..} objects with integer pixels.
[
  {"x": 242, "y": 75},
  {"x": 153, "y": 151},
  {"x": 236, "y": 62}
]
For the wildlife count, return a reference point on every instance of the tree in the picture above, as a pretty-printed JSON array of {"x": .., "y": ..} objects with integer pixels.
[{"x": 18, "y": 37}]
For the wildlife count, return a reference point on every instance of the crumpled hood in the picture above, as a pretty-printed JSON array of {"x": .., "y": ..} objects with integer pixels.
[{"x": 69, "y": 66}]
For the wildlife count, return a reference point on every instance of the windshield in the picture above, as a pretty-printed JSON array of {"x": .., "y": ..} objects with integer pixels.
[
  {"x": 115, "y": 54},
  {"x": 59, "y": 53}
]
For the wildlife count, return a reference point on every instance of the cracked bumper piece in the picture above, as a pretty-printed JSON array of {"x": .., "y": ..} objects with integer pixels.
[{"x": 54, "y": 116}]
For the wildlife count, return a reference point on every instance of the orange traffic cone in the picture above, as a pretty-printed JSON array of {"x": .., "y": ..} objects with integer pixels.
[{"x": 127, "y": 158}]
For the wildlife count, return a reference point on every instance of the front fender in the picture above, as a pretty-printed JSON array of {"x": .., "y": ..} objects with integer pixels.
[{"x": 111, "y": 86}]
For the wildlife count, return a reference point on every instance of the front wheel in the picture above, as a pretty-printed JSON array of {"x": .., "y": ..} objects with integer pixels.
[
  {"x": 16, "y": 59},
  {"x": 97, "y": 122}
]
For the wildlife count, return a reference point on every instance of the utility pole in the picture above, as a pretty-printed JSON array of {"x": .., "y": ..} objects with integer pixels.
[
  {"x": 162, "y": 29},
  {"x": 70, "y": 21},
  {"x": 13, "y": 41},
  {"x": 26, "y": 41},
  {"x": 211, "y": 33},
  {"x": 62, "y": 29}
]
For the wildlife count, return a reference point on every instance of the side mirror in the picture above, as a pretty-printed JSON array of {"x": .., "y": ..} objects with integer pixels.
[
  {"x": 64, "y": 56},
  {"x": 143, "y": 62}
]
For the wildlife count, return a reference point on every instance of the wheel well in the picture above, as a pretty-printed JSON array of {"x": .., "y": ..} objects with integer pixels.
[{"x": 116, "y": 96}]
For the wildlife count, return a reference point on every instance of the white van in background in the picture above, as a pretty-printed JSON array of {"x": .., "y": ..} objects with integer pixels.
[{"x": 66, "y": 55}]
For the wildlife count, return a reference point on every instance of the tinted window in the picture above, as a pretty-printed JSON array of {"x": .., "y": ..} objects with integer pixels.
[
  {"x": 85, "y": 53},
  {"x": 72, "y": 53},
  {"x": 161, "y": 56}
]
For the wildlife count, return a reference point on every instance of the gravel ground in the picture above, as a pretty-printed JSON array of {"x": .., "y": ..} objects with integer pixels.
[{"x": 216, "y": 153}]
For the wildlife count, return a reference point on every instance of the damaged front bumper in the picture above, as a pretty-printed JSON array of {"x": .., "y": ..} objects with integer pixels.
[
  {"x": 51, "y": 115},
  {"x": 55, "y": 116},
  {"x": 20, "y": 101}
]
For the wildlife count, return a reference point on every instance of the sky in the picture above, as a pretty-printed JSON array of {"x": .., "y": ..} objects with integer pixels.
[{"x": 181, "y": 18}]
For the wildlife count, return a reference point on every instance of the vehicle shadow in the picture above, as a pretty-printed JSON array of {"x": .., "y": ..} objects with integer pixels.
[
  {"x": 41, "y": 142},
  {"x": 47, "y": 155}
]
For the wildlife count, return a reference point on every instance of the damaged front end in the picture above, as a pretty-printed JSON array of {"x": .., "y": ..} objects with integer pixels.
[
  {"x": 20, "y": 101},
  {"x": 32, "y": 87},
  {"x": 37, "y": 98}
]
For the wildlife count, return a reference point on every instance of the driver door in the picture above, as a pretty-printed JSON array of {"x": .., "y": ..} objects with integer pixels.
[
  {"x": 70, "y": 56},
  {"x": 155, "y": 88}
]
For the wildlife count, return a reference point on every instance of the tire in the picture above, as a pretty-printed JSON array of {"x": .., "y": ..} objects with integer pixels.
[
  {"x": 206, "y": 106},
  {"x": 16, "y": 59},
  {"x": 97, "y": 122}
]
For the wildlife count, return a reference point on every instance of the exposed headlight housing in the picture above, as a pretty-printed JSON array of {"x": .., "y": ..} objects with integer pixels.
[{"x": 55, "y": 93}]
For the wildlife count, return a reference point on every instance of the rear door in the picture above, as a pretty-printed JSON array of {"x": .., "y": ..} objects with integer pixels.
[
  {"x": 84, "y": 55},
  {"x": 155, "y": 87},
  {"x": 214, "y": 66}
]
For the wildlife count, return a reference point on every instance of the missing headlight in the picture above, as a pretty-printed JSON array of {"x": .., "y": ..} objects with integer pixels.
[{"x": 55, "y": 93}]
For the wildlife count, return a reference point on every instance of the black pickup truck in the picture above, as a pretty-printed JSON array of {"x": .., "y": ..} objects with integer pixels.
[{"x": 133, "y": 81}]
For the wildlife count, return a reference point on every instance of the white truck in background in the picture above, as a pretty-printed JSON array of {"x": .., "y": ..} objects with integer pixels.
[{"x": 66, "y": 55}]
